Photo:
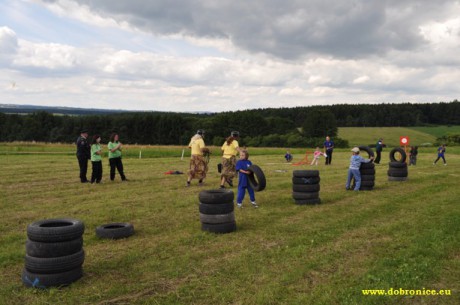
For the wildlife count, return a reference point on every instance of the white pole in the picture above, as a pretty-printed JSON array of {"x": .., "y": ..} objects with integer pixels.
[
  {"x": 182, "y": 157},
  {"x": 140, "y": 154}
]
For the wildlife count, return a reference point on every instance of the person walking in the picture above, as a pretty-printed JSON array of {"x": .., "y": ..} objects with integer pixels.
[
  {"x": 96, "y": 159},
  {"x": 316, "y": 154},
  {"x": 83, "y": 154},
  {"x": 413, "y": 155},
  {"x": 198, "y": 166},
  {"x": 441, "y": 152},
  {"x": 115, "y": 148},
  {"x": 353, "y": 170},
  {"x": 229, "y": 150},
  {"x": 243, "y": 181},
  {"x": 328, "y": 149},
  {"x": 378, "y": 149}
]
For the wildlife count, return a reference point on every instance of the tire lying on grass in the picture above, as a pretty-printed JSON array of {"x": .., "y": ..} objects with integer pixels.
[
  {"x": 44, "y": 281},
  {"x": 115, "y": 230},
  {"x": 217, "y": 218},
  {"x": 42, "y": 249},
  {"x": 306, "y": 187},
  {"x": 397, "y": 164},
  {"x": 217, "y": 196},
  {"x": 304, "y": 180},
  {"x": 219, "y": 227},
  {"x": 401, "y": 152},
  {"x": 216, "y": 209},
  {"x": 305, "y": 173},
  {"x": 257, "y": 178},
  {"x": 397, "y": 178},
  {"x": 59, "y": 264},
  {"x": 307, "y": 201},
  {"x": 55, "y": 230}
]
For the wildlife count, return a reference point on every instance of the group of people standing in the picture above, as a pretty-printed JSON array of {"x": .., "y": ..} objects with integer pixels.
[
  {"x": 93, "y": 151},
  {"x": 228, "y": 168}
]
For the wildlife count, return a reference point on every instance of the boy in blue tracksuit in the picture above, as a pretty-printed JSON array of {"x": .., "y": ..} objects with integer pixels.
[
  {"x": 243, "y": 181},
  {"x": 353, "y": 171},
  {"x": 441, "y": 152}
]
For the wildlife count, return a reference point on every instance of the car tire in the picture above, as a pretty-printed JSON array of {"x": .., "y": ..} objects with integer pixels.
[{"x": 55, "y": 230}]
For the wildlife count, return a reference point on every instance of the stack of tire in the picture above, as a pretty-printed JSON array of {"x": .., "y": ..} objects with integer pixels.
[
  {"x": 54, "y": 253},
  {"x": 217, "y": 211},
  {"x": 367, "y": 171},
  {"x": 398, "y": 170},
  {"x": 305, "y": 187}
]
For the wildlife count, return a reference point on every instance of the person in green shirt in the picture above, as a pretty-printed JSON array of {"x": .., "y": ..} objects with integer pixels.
[
  {"x": 115, "y": 147},
  {"x": 96, "y": 159}
]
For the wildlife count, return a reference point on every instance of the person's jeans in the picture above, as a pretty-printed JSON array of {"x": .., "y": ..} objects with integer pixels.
[{"x": 357, "y": 176}]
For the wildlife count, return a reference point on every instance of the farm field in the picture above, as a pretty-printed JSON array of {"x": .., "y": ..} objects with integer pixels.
[
  {"x": 438, "y": 131},
  {"x": 400, "y": 235}
]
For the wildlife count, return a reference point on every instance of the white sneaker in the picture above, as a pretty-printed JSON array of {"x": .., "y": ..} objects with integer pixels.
[
  {"x": 445, "y": 164},
  {"x": 254, "y": 204},
  {"x": 240, "y": 205}
]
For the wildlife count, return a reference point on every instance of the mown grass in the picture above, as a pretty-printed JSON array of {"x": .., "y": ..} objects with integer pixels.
[
  {"x": 390, "y": 135},
  {"x": 400, "y": 235},
  {"x": 438, "y": 131}
]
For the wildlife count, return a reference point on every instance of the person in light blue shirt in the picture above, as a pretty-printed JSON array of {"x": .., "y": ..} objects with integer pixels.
[{"x": 353, "y": 170}]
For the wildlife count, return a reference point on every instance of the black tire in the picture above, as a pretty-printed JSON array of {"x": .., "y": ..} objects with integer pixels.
[
  {"x": 307, "y": 201},
  {"x": 392, "y": 171},
  {"x": 397, "y": 178},
  {"x": 367, "y": 165},
  {"x": 397, "y": 174},
  {"x": 367, "y": 149},
  {"x": 312, "y": 180},
  {"x": 115, "y": 230},
  {"x": 217, "y": 218},
  {"x": 41, "y": 249},
  {"x": 216, "y": 209},
  {"x": 367, "y": 171},
  {"x": 217, "y": 196},
  {"x": 397, "y": 165},
  {"x": 43, "y": 281},
  {"x": 257, "y": 178},
  {"x": 367, "y": 177},
  {"x": 55, "y": 230},
  {"x": 401, "y": 152},
  {"x": 302, "y": 195},
  {"x": 219, "y": 228},
  {"x": 305, "y": 173},
  {"x": 366, "y": 188},
  {"x": 367, "y": 183},
  {"x": 305, "y": 187},
  {"x": 59, "y": 264}
]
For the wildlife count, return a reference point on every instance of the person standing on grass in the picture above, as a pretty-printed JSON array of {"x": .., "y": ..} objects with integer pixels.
[
  {"x": 243, "y": 180},
  {"x": 378, "y": 149},
  {"x": 441, "y": 152},
  {"x": 115, "y": 147},
  {"x": 316, "y": 154},
  {"x": 229, "y": 150},
  {"x": 413, "y": 155},
  {"x": 353, "y": 170},
  {"x": 96, "y": 159},
  {"x": 83, "y": 154},
  {"x": 198, "y": 166},
  {"x": 328, "y": 149}
]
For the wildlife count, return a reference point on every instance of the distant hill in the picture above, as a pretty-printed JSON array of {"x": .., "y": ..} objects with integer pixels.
[{"x": 25, "y": 109}]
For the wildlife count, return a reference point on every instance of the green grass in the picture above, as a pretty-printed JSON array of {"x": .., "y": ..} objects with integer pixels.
[
  {"x": 438, "y": 131},
  {"x": 390, "y": 135},
  {"x": 401, "y": 235}
]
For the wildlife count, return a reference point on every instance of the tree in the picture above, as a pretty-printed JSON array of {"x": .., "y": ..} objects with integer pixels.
[{"x": 320, "y": 123}]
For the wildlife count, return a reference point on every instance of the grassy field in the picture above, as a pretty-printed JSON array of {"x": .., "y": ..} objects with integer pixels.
[
  {"x": 390, "y": 135},
  {"x": 438, "y": 131},
  {"x": 401, "y": 235}
]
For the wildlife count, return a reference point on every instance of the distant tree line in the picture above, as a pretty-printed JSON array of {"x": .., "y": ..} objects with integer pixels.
[{"x": 281, "y": 127}]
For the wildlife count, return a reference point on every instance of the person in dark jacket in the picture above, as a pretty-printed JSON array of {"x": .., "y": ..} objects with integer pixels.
[
  {"x": 378, "y": 149},
  {"x": 83, "y": 154}
]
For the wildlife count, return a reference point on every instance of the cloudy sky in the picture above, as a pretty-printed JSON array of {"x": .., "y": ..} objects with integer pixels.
[{"x": 219, "y": 55}]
